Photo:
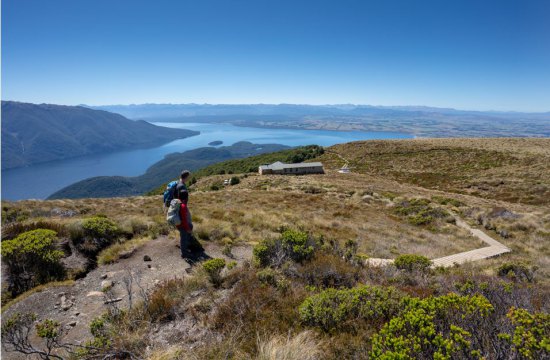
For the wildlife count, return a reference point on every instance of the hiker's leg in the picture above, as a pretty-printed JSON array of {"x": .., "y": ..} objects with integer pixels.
[{"x": 184, "y": 241}]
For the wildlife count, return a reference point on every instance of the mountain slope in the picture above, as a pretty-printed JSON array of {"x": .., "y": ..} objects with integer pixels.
[
  {"x": 39, "y": 133},
  {"x": 161, "y": 172}
]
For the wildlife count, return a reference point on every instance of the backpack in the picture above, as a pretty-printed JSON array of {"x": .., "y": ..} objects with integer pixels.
[
  {"x": 170, "y": 192},
  {"x": 173, "y": 214}
]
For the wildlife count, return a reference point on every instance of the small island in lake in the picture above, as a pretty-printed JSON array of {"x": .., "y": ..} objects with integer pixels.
[{"x": 215, "y": 143}]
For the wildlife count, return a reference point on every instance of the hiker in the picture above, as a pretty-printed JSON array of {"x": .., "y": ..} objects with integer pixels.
[
  {"x": 186, "y": 226},
  {"x": 174, "y": 188}
]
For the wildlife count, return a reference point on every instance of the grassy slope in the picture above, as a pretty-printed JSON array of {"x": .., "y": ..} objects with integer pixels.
[
  {"x": 341, "y": 206},
  {"x": 361, "y": 206},
  {"x": 513, "y": 170}
]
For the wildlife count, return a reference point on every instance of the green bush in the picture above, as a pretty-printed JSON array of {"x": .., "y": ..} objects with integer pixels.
[
  {"x": 291, "y": 245},
  {"x": 263, "y": 252},
  {"x": 234, "y": 180},
  {"x": 213, "y": 268},
  {"x": 447, "y": 201},
  {"x": 531, "y": 337},
  {"x": 94, "y": 234},
  {"x": 334, "y": 309},
  {"x": 102, "y": 339},
  {"x": 412, "y": 262},
  {"x": 32, "y": 258},
  {"x": 267, "y": 276},
  {"x": 433, "y": 328},
  {"x": 419, "y": 211}
]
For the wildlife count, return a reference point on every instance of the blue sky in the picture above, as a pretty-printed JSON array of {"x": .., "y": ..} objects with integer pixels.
[{"x": 480, "y": 55}]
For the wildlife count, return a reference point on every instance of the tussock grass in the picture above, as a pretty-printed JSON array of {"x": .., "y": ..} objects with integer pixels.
[{"x": 302, "y": 346}]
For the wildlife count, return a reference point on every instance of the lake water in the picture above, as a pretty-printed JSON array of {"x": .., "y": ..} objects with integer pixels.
[{"x": 40, "y": 181}]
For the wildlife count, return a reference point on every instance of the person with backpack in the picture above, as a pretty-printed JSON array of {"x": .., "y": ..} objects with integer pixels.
[
  {"x": 186, "y": 225},
  {"x": 175, "y": 187}
]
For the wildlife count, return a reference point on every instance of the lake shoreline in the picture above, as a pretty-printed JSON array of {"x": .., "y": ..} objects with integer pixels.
[{"x": 21, "y": 183}]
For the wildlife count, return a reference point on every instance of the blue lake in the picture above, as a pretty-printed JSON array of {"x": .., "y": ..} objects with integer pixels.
[{"x": 40, "y": 181}]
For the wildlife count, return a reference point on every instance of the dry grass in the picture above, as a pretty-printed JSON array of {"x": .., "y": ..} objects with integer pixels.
[
  {"x": 303, "y": 346},
  {"x": 121, "y": 249},
  {"x": 514, "y": 170}
]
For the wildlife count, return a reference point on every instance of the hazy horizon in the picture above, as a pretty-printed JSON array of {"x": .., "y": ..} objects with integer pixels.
[{"x": 297, "y": 104}]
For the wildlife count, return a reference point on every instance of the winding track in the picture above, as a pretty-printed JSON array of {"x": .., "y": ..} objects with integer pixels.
[{"x": 494, "y": 249}]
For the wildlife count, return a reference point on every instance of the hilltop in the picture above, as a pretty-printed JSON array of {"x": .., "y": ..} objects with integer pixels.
[
  {"x": 402, "y": 197},
  {"x": 33, "y": 134}
]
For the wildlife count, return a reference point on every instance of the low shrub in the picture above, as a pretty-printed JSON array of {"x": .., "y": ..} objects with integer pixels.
[
  {"x": 253, "y": 309},
  {"x": 334, "y": 309},
  {"x": 32, "y": 258},
  {"x": 433, "y": 328},
  {"x": 516, "y": 272},
  {"x": 234, "y": 180},
  {"x": 531, "y": 333},
  {"x": 292, "y": 245},
  {"x": 329, "y": 270},
  {"x": 267, "y": 276},
  {"x": 94, "y": 234},
  {"x": 213, "y": 268},
  {"x": 447, "y": 201},
  {"x": 412, "y": 262},
  {"x": 420, "y": 212}
]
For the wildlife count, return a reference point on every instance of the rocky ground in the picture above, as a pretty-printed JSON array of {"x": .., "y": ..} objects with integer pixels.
[{"x": 77, "y": 305}]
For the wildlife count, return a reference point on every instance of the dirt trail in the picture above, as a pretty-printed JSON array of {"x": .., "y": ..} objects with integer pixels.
[{"x": 84, "y": 300}]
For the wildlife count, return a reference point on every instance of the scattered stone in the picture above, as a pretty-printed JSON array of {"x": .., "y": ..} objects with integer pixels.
[
  {"x": 110, "y": 301},
  {"x": 65, "y": 304},
  {"x": 156, "y": 282},
  {"x": 503, "y": 213},
  {"x": 149, "y": 266},
  {"x": 94, "y": 293},
  {"x": 61, "y": 294},
  {"x": 103, "y": 277},
  {"x": 107, "y": 284},
  {"x": 147, "y": 258},
  {"x": 76, "y": 313},
  {"x": 72, "y": 324}
]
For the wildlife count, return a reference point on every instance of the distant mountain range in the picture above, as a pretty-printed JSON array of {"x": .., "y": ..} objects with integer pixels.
[
  {"x": 34, "y": 134},
  {"x": 421, "y": 121},
  {"x": 161, "y": 172}
]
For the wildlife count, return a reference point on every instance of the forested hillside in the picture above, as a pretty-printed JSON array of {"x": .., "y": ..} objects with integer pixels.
[
  {"x": 161, "y": 172},
  {"x": 34, "y": 134}
]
